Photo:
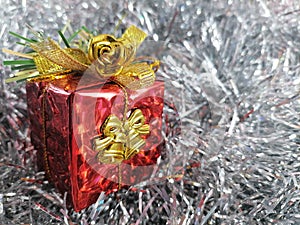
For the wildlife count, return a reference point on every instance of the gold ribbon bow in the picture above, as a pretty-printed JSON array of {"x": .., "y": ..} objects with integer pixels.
[
  {"x": 121, "y": 140},
  {"x": 112, "y": 57}
]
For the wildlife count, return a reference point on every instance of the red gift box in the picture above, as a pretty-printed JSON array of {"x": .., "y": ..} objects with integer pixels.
[
  {"x": 66, "y": 119},
  {"x": 95, "y": 112}
]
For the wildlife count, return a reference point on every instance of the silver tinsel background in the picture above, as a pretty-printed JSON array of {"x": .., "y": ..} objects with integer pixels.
[{"x": 232, "y": 73}]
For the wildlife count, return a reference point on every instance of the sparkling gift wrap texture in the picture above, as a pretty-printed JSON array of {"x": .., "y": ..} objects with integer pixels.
[
  {"x": 65, "y": 121},
  {"x": 231, "y": 113}
]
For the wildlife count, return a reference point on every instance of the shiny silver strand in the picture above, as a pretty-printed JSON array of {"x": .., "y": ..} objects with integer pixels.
[{"x": 232, "y": 101}]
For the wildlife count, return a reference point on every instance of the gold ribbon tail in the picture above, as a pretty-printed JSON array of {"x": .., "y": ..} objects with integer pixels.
[{"x": 51, "y": 58}]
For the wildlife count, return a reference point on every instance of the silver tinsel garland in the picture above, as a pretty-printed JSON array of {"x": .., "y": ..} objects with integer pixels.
[{"x": 232, "y": 98}]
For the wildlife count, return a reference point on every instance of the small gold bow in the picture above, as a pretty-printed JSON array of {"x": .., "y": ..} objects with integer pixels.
[
  {"x": 112, "y": 57},
  {"x": 121, "y": 140}
]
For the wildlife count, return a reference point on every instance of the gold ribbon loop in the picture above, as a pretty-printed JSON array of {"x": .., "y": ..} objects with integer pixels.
[
  {"x": 120, "y": 141},
  {"x": 137, "y": 75},
  {"x": 52, "y": 57}
]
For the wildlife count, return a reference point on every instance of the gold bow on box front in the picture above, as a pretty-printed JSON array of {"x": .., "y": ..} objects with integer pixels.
[
  {"x": 112, "y": 57},
  {"x": 121, "y": 140}
]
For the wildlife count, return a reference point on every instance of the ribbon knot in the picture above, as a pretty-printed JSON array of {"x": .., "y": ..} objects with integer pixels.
[
  {"x": 121, "y": 140},
  {"x": 112, "y": 57}
]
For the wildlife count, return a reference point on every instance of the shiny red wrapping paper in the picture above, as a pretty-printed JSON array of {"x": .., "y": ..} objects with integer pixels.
[{"x": 65, "y": 115}]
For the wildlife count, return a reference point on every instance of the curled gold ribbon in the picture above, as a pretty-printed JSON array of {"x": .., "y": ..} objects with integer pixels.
[
  {"x": 112, "y": 54},
  {"x": 121, "y": 140},
  {"x": 112, "y": 57}
]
